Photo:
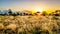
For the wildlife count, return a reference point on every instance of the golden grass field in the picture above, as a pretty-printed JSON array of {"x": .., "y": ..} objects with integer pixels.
[{"x": 29, "y": 24}]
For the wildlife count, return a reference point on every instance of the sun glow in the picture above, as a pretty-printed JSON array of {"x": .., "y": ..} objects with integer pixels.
[{"x": 37, "y": 10}]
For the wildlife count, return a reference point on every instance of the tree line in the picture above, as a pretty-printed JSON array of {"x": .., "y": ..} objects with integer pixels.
[{"x": 44, "y": 13}]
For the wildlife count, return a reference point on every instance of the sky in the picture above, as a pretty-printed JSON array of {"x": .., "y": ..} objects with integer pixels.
[{"x": 30, "y": 4}]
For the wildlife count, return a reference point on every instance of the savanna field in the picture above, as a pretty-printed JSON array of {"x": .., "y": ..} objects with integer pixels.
[{"x": 29, "y": 24}]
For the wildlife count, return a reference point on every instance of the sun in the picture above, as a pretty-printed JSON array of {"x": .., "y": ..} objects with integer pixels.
[{"x": 38, "y": 10}]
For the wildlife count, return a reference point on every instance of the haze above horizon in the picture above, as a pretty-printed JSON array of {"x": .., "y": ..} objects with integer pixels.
[{"x": 30, "y": 4}]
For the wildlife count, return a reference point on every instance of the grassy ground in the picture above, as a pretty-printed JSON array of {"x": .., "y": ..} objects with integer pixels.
[{"x": 29, "y": 24}]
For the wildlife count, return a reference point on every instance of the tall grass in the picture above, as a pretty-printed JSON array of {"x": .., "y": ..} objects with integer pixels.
[{"x": 29, "y": 24}]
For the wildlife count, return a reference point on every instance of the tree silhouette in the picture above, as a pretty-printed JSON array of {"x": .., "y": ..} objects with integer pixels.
[
  {"x": 14, "y": 14},
  {"x": 57, "y": 12},
  {"x": 10, "y": 12},
  {"x": 44, "y": 13},
  {"x": 18, "y": 13}
]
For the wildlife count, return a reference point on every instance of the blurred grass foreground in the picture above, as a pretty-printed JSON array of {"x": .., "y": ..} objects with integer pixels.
[{"x": 29, "y": 24}]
